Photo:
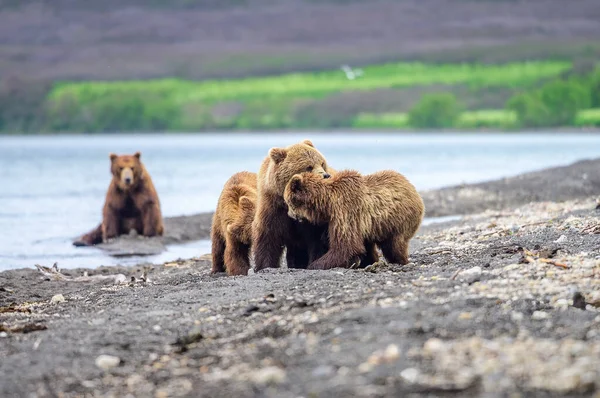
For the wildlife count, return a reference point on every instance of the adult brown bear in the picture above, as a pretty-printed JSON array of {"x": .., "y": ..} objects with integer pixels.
[
  {"x": 382, "y": 208},
  {"x": 131, "y": 203},
  {"x": 272, "y": 229}
]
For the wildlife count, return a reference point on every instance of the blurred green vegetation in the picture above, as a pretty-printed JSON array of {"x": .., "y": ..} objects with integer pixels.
[
  {"x": 440, "y": 110},
  {"x": 534, "y": 94}
]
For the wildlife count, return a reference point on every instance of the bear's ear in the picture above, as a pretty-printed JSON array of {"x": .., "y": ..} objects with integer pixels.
[
  {"x": 137, "y": 155},
  {"x": 278, "y": 154},
  {"x": 112, "y": 157},
  {"x": 308, "y": 142},
  {"x": 296, "y": 183}
]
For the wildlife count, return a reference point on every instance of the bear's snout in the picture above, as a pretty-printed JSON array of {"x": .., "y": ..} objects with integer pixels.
[
  {"x": 127, "y": 176},
  {"x": 326, "y": 175}
]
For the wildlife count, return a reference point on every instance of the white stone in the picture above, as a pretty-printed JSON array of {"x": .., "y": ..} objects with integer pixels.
[
  {"x": 410, "y": 375},
  {"x": 539, "y": 315},
  {"x": 106, "y": 362},
  {"x": 57, "y": 298},
  {"x": 561, "y": 239},
  {"x": 471, "y": 275},
  {"x": 269, "y": 375}
]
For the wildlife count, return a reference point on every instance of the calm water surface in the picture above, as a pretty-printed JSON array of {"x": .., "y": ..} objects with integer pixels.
[{"x": 52, "y": 188}]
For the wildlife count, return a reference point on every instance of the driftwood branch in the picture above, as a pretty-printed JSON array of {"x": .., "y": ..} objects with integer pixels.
[{"x": 54, "y": 274}]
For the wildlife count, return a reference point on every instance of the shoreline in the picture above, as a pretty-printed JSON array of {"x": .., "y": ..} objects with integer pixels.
[
  {"x": 553, "y": 184},
  {"x": 483, "y": 301}
]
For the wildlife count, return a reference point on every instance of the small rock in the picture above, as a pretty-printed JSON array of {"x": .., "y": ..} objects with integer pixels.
[
  {"x": 365, "y": 367},
  {"x": 268, "y": 375},
  {"x": 471, "y": 275},
  {"x": 106, "y": 362},
  {"x": 465, "y": 315},
  {"x": 579, "y": 301},
  {"x": 57, "y": 298},
  {"x": 410, "y": 375},
  {"x": 539, "y": 315},
  {"x": 3, "y": 334},
  {"x": 433, "y": 346},
  {"x": 391, "y": 353},
  {"x": 516, "y": 316},
  {"x": 250, "y": 309},
  {"x": 561, "y": 239},
  {"x": 323, "y": 371},
  {"x": 562, "y": 302}
]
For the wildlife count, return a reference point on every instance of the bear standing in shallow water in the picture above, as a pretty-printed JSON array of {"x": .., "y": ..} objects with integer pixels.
[
  {"x": 131, "y": 203},
  {"x": 382, "y": 208},
  {"x": 231, "y": 230}
]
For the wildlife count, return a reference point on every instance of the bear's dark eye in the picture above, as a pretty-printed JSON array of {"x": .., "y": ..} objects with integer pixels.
[
  {"x": 120, "y": 169},
  {"x": 309, "y": 169}
]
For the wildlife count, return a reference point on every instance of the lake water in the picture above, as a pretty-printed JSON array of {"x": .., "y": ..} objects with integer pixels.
[{"x": 52, "y": 188}]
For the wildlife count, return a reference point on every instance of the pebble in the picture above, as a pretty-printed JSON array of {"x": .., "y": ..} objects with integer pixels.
[
  {"x": 539, "y": 315},
  {"x": 561, "y": 239},
  {"x": 465, "y": 315},
  {"x": 471, "y": 275},
  {"x": 410, "y": 375},
  {"x": 106, "y": 362},
  {"x": 433, "y": 346},
  {"x": 268, "y": 375},
  {"x": 323, "y": 371},
  {"x": 57, "y": 298}
]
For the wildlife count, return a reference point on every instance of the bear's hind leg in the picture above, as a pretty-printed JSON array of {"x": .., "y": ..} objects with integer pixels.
[
  {"x": 91, "y": 238},
  {"x": 395, "y": 250},
  {"x": 218, "y": 253},
  {"x": 237, "y": 261}
]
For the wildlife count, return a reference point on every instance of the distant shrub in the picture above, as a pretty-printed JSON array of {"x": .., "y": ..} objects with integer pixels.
[
  {"x": 588, "y": 118},
  {"x": 113, "y": 112},
  {"x": 487, "y": 118},
  {"x": 554, "y": 104},
  {"x": 381, "y": 120},
  {"x": 435, "y": 111},
  {"x": 594, "y": 84}
]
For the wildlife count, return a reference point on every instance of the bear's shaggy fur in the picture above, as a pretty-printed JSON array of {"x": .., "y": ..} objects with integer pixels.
[
  {"x": 131, "y": 203},
  {"x": 231, "y": 231},
  {"x": 272, "y": 229},
  {"x": 383, "y": 208}
]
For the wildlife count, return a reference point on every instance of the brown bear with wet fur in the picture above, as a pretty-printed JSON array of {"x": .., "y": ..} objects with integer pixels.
[
  {"x": 272, "y": 229},
  {"x": 383, "y": 208},
  {"x": 231, "y": 231},
  {"x": 131, "y": 203}
]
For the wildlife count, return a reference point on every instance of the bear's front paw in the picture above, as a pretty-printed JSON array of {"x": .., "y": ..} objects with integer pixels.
[{"x": 316, "y": 265}]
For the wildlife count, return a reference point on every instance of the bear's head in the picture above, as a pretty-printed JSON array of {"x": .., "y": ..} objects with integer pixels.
[
  {"x": 127, "y": 170},
  {"x": 302, "y": 157},
  {"x": 307, "y": 199},
  {"x": 241, "y": 228}
]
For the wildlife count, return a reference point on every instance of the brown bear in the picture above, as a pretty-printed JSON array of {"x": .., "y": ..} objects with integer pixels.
[
  {"x": 131, "y": 203},
  {"x": 272, "y": 229},
  {"x": 231, "y": 231},
  {"x": 383, "y": 208}
]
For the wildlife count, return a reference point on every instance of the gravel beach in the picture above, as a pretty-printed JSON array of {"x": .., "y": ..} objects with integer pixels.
[{"x": 505, "y": 301}]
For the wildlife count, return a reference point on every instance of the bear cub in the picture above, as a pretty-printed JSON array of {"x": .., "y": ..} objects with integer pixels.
[
  {"x": 382, "y": 208},
  {"x": 231, "y": 231}
]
